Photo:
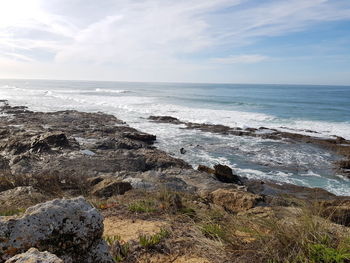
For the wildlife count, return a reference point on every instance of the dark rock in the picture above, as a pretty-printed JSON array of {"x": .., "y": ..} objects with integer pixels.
[
  {"x": 109, "y": 187},
  {"x": 225, "y": 174},
  {"x": 140, "y": 136},
  {"x": 164, "y": 119}
]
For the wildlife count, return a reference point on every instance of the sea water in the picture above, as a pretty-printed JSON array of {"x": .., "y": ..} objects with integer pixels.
[{"x": 294, "y": 108}]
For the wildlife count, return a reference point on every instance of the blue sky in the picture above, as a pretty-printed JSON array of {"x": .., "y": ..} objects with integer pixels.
[{"x": 237, "y": 41}]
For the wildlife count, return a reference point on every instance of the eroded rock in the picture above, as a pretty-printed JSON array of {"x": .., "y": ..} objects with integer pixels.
[
  {"x": 35, "y": 256},
  {"x": 234, "y": 200},
  {"x": 69, "y": 228}
]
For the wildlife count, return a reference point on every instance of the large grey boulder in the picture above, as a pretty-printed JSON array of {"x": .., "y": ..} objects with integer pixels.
[
  {"x": 69, "y": 228},
  {"x": 35, "y": 256}
]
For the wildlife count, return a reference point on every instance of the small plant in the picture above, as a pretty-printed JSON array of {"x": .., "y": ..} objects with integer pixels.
[
  {"x": 142, "y": 207},
  {"x": 325, "y": 254},
  {"x": 214, "y": 231},
  {"x": 150, "y": 241},
  {"x": 11, "y": 212},
  {"x": 118, "y": 248}
]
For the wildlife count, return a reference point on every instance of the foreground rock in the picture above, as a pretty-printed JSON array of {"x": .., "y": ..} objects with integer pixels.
[
  {"x": 69, "y": 228},
  {"x": 35, "y": 256},
  {"x": 233, "y": 200}
]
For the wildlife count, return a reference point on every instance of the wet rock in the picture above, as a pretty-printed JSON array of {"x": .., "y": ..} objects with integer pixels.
[
  {"x": 109, "y": 187},
  {"x": 165, "y": 119},
  {"x": 35, "y": 256},
  {"x": 233, "y": 200},
  {"x": 69, "y": 228},
  {"x": 140, "y": 136},
  {"x": 225, "y": 174}
]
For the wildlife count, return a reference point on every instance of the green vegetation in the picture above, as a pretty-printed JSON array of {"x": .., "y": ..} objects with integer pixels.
[
  {"x": 119, "y": 249},
  {"x": 213, "y": 230},
  {"x": 11, "y": 212},
  {"x": 150, "y": 241},
  {"x": 142, "y": 207}
]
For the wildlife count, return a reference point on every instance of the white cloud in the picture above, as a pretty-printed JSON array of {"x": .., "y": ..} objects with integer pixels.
[
  {"x": 241, "y": 59},
  {"x": 146, "y": 37}
]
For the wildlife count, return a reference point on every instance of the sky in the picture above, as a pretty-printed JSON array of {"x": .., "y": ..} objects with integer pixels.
[{"x": 220, "y": 41}]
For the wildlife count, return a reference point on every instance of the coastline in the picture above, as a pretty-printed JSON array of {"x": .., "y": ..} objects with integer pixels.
[{"x": 70, "y": 153}]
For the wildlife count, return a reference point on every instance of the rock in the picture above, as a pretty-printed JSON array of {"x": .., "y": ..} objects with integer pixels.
[
  {"x": 337, "y": 211},
  {"x": 69, "y": 228},
  {"x": 205, "y": 169},
  {"x": 35, "y": 256},
  {"x": 233, "y": 200},
  {"x": 224, "y": 174},
  {"x": 183, "y": 151},
  {"x": 140, "y": 136},
  {"x": 20, "y": 197},
  {"x": 165, "y": 119},
  {"x": 109, "y": 187}
]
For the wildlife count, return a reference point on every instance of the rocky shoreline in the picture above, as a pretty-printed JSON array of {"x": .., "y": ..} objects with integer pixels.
[
  {"x": 48, "y": 160},
  {"x": 337, "y": 145}
]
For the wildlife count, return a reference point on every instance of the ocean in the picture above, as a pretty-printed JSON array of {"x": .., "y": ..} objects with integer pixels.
[{"x": 295, "y": 108}]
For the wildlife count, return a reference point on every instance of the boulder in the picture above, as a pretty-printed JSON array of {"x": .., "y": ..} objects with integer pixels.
[
  {"x": 234, "y": 200},
  {"x": 225, "y": 174},
  {"x": 35, "y": 256},
  {"x": 109, "y": 187},
  {"x": 69, "y": 228}
]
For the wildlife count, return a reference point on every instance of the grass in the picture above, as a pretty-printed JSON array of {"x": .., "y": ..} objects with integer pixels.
[
  {"x": 150, "y": 241},
  {"x": 142, "y": 207},
  {"x": 213, "y": 230},
  {"x": 11, "y": 212}
]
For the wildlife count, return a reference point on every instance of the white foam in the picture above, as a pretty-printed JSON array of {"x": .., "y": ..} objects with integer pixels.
[{"x": 112, "y": 90}]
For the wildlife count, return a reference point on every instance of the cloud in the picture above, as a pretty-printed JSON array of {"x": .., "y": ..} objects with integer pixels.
[
  {"x": 240, "y": 59},
  {"x": 146, "y": 36}
]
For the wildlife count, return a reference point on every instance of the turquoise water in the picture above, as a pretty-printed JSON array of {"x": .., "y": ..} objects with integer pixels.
[{"x": 324, "y": 109}]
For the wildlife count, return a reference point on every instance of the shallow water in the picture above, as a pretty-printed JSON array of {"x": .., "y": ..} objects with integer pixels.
[{"x": 325, "y": 109}]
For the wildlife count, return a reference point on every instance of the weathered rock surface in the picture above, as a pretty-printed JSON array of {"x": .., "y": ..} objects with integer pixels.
[
  {"x": 233, "y": 200},
  {"x": 69, "y": 144},
  {"x": 110, "y": 186},
  {"x": 68, "y": 228},
  {"x": 35, "y": 256}
]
